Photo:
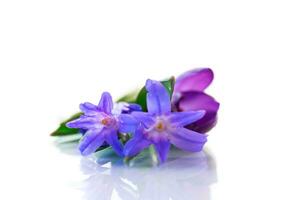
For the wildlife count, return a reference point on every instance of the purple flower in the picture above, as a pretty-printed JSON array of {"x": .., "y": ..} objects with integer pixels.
[
  {"x": 103, "y": 124},
  {"x": 189, "y": 96},
  {"x": 160, "y": 127}
]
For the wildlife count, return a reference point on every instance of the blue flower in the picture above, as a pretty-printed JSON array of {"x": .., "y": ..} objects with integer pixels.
[
  {"x": 161, "y": 127},
  {"x": 102, "y": 124}
]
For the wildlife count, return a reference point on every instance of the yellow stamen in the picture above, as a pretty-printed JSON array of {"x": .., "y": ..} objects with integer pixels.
[
  {"x": 160, "y": 126},
  {"x": 104, "y": 121}
]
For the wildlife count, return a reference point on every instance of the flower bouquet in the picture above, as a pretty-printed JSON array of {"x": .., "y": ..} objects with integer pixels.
[{"x": 162, "y": 113}]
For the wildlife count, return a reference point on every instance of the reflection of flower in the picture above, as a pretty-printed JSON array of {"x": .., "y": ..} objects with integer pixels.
[
  {"x": 189, "y": 96},
  {"x": 102, "y": 125},
  {"x": 161, "y": 127},
  {"x": 185, "y": 176}
]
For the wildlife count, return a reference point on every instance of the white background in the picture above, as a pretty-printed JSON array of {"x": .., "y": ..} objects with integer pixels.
[{"x": 57, "y": 54}]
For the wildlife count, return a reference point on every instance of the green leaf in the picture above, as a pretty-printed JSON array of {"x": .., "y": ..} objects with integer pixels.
[
  {"x": 63, "y": 130},
  {"x": 142, "y": 96},
  {"x": 169, "y": 85}
]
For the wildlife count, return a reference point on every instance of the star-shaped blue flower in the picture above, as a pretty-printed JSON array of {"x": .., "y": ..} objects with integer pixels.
[
  {"x": 103, "y": 123},
  {"x": 161, "y": 127}
]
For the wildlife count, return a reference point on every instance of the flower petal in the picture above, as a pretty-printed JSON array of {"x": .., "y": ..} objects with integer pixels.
[
  {"x": 190, "y": 135},
  {"x": 180, "y": 119},
  {"x": 162, "y": 149},
  {"x": 132, "y": 107},
  {"x": 135, "y": 146},
  {"x": 193, "y": 101},
  {"x": 112, "y": 139},
  {"x": 106, "y": 103},
  {"x": 194, "y": 80},
  {"x": 127, "y": 123},
  {"x": 158, "y": 98},
  {"x": 91, "y": 141},
  {"x": 84, "y": 123},
  {"x": 144, "y": 118},
  {"x": 137, "y": 143},
  {"x": 188, "y": 140},
  {"x": 89, "y": 109}
]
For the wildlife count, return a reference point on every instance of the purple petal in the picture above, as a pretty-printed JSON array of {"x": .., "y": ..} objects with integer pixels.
[
  {"x": 91, "y": 141},
  {"x": 193, "y": 101},
  {"x": 132, "y": 107},
  {"x": 127, "y": 123},
  {"x": 162, "y": 149},
  {"x": 135, "y": 146},
  {"x": 84, "y": 123},
  {"x": 188, "y": 140},
  {"x": 158, "y": 98},
  {"x": 135, "y": 107},
  {"x": 180, "y": 119},
  {"x": 89, "y": 109},
  {"x": 195, "y": 80},
  {"x": 190, "y": 135},
  {"x": 112, "y": 139},
  {"x": 139, "y": 133},
  {"x": 88, "y": 137},
  {"x": 144, "y": 118},
  {"x": 106, "y": 103}
]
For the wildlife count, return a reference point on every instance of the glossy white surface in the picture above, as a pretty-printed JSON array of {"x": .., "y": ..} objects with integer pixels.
[
  {"x": 182, "y": 177},
  {"x": 106, "y": 176}
]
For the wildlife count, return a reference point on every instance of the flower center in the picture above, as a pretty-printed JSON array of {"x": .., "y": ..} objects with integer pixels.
[
  {"x": 159, "y": 131},
  {"x": 160, "y": 125},
  {"x": 107, "y": 121}
]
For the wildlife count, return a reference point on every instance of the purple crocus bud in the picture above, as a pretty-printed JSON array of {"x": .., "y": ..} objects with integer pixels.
[
  {"x": 194, "y": 80},
  {"x": 161, "y": 127},
  {"x": 193, "y": 101},
  {"x": 102, "y": 125},
  {"x": 189, "y": 96}
]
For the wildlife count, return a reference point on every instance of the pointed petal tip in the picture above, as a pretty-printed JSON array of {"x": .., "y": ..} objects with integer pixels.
[
  {"x": 70, "y": 124},
  {"x": 84, "y": 153},
  {"x": 200, "y": 113},
  {"x": 162, "y": 150},
  {"x": 106, "y": 102}
]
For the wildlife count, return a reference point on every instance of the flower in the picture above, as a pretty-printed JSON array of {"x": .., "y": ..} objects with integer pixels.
[
  {"x": 160, "y": 127},
  {"x": 103, "y": 125},
  {"x": 189, "y": 95}
]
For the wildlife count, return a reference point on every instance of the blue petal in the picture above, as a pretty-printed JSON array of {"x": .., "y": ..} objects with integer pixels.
[
  {"x": 127, "y": 123},
  {"x": 162, "y": 149},
  {"x": 89, "y": 109},
  {"x": 135, "y": 146},
  {"x": 158, "y": 98},
  {"x": 106, "y": 103},
  {"x": 181, "y": 119},
  {"x": 132, "y": 107},
  {"x": 88, "y": 137},
  {"x": 144, "y": 118},
  {"x": 112, "y": 139},
  {"x": 84, "y": 123},
  {"x": 188, "y": 140},
  {"x": 91, "y": 141},
  {"x": 135, "y": 107}
]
